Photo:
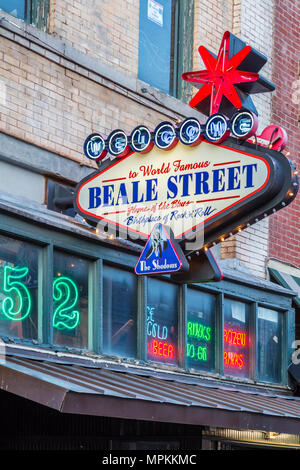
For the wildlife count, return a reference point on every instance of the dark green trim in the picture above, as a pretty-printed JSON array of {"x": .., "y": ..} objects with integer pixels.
[
  {"x": 284, "y": 349},
  {"x": 281, "y": 281},
  {"x": 182, "y": 323},
  {"x": 253, "y": 365},
  {"x": 28, "y": 8},
  {"x": 219, "y": 336},
  {"x": 291, "y": 333},
  {"x": 95, "y": 304},
  {"x": 142, "y": 318},
  {"x": 37, "y": 13},
  {"x": 185, "y": 48},
  {"x": 45, "y": 295}
]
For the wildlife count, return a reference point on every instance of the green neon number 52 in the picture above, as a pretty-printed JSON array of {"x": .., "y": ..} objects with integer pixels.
[{"x": 17, "y": 304}]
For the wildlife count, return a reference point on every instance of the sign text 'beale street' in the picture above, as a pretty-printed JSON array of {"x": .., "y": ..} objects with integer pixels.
[{"x": 187, "y": 188}]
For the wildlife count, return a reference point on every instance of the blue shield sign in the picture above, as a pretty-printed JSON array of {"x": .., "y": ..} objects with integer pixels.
[{"x": 161, "y": 254}]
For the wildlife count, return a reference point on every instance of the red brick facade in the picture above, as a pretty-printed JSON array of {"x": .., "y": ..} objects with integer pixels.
[{"x": 284, "y": 242}]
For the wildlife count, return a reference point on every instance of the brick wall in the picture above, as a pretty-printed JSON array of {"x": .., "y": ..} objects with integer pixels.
[
  {"x": 211, "y": 20},
  {"x": 285, "y": 226},
  {"x": 56, "y": 108},
  {"x": 106, "y": 30},
  {"x": 253, "y": 23}
]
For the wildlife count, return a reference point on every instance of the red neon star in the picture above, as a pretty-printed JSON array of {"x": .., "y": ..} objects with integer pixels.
[{"x": 220, "y": 76}]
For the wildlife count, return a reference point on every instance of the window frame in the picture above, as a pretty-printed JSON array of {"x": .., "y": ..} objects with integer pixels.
[
  {"x": 181, "y": 49},
  {"x": 181, "y": 321},
  {"x": 218, "y": 347},
  {"x": 47, "y": 238},
  {"x": 284, "y": 340},
  {"x": 130, "y": 270},
  {"x": 36, "y": 12}
]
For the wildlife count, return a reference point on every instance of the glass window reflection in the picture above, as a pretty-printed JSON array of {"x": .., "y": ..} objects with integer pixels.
[
  {"x": 269, "y": 345},
  {"x": 70, "y": 300},
  {"x": 162, "y": 322},
  {"x": 236, "y": 338},
  {"x": 119, "y": 312},
  {"x": 18, "y": 289},
  {"x": 200, "y": 330}
]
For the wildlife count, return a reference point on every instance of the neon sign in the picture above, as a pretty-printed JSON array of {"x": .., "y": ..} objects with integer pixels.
[
  {"x": 161, "y": 349},
  {"x": 141, "y": 139},
  {"x": 196, "y": 353},
  {"x": 235, "y": 337},
  {"x": 65, "y": 292},
  {"x": 94, "y": 147},
  {"x": 154, "y": 329},
  {"x": 158, "y": 345},
  {"x": 191, "y": 132},
  {"x": 233, "y": 359},
  {"x": 229, "y": 79},
  {"x": 238, "y": 339},
  {"x": 118, "y": 143},
  {"x": 165, "y": 136},
  {"x": 17, "y": 304},
  {"x": 243, "y": 125},
  {"x": 198, "y": 331},
  {"x": 216, "y": 128}
]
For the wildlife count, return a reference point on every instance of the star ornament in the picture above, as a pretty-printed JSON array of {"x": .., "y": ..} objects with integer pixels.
[{"x": 229, "y": 78}]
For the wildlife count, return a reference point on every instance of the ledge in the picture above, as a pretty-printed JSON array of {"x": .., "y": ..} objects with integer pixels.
[{"x": 31, "y": 157}]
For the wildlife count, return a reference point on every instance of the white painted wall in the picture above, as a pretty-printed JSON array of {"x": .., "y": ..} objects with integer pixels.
[{"x": 20, "y": 182}]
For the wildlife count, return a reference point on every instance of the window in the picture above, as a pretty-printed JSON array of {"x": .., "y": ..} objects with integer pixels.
[
  {"x": 92, "y": 301},
  {"x": 200, "y": 330},
  {"x": 165, "y": 44},
  {"x": 60, "y": 198},
  {"x": 32, "y": 11},
  {"x": 236, "y": 338},
  {"x": 119, "y": 312},
  {"x": 14, "y": 7},
  {"x": 162, "y": 322},
  {"x": 269, "y": 345},
  {"x": 18, "y": 289},
  {"x": 70, "y": 300}
]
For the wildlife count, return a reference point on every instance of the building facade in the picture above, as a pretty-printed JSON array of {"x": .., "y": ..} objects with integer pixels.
[{"x": 76, "y": 323}]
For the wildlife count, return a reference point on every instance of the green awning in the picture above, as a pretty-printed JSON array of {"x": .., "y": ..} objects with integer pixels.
[{"x": 290, "y": 281}]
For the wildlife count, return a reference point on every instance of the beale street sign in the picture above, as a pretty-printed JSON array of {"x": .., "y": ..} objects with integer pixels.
[
  {"x": 212, "y": 187},
  {"x": 203, "y": 181}
]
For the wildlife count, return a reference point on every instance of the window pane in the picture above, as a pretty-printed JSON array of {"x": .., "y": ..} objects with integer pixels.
[
  {"x": 119, "y": 312},
  {"x": 155, "y": 43},
  {"x": 236, "y": 338},
  {"x": 200, "y": 330},
  {"x": 14, "y": 7},
  {"x": 18, "y": 289},
  {"x": 269, "y": 345},
  {"x": 162, "y": 322},
  {"x": 70, "y": 300}
]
